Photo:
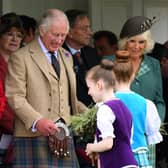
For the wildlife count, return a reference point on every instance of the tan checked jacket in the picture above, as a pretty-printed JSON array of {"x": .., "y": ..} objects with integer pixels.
[{"x": 34, "y": 90}]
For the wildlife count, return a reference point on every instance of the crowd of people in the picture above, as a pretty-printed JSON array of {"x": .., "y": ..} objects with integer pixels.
[{"x": 50, "y": 71}]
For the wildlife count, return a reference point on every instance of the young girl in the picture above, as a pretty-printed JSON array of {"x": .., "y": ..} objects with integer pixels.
[
  {"x": 146, "y": 121},
  {"x": 2, "y": 99},
  {"x": 114, "y": 121}
]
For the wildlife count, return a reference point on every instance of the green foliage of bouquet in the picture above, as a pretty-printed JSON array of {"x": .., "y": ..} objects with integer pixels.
[{"x": 84, "y": 124}]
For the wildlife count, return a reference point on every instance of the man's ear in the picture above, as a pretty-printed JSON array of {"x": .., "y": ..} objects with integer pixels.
[{"x": 41, "y": 30}]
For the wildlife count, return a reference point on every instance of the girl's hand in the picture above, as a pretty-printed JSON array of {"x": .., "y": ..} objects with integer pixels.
[{"x": 89, "y": 149}]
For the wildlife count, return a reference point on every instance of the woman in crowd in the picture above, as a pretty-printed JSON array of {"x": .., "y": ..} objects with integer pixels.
[
  {"x": 11, "y": 35},
  {"x": 135, "y": 37}
]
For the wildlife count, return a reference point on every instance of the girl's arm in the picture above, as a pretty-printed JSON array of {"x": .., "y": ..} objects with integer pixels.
[
  {"x": 105, "y": 119},
  {"x": 153, "y": 123},
  {"x": 104, "y": 145}
]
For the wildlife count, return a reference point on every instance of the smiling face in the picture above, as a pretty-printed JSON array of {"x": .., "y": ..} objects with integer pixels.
[
  {"x": 10, "y": 41},
  {"x": 135, "y": 46},
  {"x": 54, "y": 36},
  {"x": 94, "y": 89}
]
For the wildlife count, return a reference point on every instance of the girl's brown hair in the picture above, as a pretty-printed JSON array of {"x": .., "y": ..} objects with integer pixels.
[
  {"x": 123, "y": 68},
  {"x": 103, "y": 71}
]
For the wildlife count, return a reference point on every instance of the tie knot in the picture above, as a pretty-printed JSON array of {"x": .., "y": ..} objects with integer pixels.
[
  {"x": 55, "y": 63},
  {"x": 78, "y": 54},
  {"x": 51, "y": 52},
  {"x": 53, "y": 55}
]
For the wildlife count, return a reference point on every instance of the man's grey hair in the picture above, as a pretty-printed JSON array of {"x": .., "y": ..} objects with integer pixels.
[{"x": 50, "y": 15}]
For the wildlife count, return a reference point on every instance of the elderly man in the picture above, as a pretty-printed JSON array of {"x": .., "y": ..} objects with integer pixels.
[{"x": 41, "y": 89}]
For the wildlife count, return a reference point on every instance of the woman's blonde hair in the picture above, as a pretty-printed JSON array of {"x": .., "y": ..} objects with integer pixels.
[{"x": 147, "y": 37}]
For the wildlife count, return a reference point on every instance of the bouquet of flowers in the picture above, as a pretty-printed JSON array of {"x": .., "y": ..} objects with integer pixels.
[{"x": 84, "y": 124}]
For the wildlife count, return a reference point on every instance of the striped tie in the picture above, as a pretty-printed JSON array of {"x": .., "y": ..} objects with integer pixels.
[{"x": 55, "y": 63}]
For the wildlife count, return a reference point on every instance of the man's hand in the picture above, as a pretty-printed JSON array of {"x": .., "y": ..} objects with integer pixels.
[{"x": 46, "y": 127}]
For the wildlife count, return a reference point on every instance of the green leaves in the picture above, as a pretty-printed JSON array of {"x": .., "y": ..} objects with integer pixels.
[{"x": 84, "y": 124}]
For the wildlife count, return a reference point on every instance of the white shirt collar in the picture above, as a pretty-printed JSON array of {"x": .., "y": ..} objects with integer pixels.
[
  {"x": 98, "y": 104},
  {"x": 45, "y": 51},
  {"x": 72, "y": 50}
]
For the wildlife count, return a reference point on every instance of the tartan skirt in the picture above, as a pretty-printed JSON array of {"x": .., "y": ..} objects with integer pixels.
[
  {"x": 152, "y": 155},
  {"x": 34, "y": 153},
  {"x": 142, "y": 157}
]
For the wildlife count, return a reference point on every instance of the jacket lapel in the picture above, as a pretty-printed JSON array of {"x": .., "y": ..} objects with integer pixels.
[
  {"x": 67, "y": 61},
  {"x": 68, "y": 64},
  {"x": 41, "y": 60}
]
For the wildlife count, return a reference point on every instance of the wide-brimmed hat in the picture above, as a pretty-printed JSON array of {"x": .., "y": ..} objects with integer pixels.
[{"x": 136, "y": 25}]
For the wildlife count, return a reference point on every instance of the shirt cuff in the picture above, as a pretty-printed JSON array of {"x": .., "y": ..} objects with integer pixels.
[
  {"x": 154, "y": 138},
  {"x": 34, "y": 129}
]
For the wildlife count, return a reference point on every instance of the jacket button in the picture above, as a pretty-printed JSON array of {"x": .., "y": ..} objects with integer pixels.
[
  {"x": 49, "y": 109},
  {"x": 49, "y": 94}
]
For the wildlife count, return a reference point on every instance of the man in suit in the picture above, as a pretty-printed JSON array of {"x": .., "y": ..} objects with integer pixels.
[
  {"x": 105, "y": 42},
  {"x": 40, "y": 96},
  {"x": 29, "y": 26},
  {"x": 77, "y": 41}
]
